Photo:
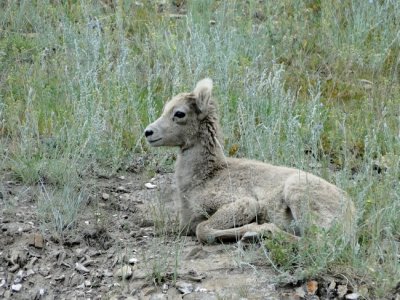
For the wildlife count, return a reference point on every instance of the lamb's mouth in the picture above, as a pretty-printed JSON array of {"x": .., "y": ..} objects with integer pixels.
[{"x": 153, "y": 141}]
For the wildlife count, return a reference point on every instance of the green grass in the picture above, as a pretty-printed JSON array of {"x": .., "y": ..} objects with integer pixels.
[{"x": 312, "y": 84}]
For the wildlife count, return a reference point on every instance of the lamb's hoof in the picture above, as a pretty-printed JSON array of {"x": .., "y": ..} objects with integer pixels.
[{"x": 250, "y": 237}]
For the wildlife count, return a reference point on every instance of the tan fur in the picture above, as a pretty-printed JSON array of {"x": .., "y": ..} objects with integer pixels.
[{"x": 223, "y": 198}]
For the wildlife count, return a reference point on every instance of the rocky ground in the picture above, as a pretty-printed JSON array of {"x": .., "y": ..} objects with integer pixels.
[{"x": 125, "y": 246}]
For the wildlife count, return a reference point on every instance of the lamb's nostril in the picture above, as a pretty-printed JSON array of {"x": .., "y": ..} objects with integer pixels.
[{"x": 148, "y": 133}]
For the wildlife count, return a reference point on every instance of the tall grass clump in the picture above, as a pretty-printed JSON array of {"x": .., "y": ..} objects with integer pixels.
[
  {"x": 58, "y": 209},
  {"x": 310, "y": 84}
]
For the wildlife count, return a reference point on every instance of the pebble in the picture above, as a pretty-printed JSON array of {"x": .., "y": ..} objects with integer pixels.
[
  {"x": 39, "y": 241},
  {"x": 105, "y": 196},
  {"x": 133, "y": 260},
  {"x": 21, "y": 274},
  {"x": 300, "y": 292},
  {"x": 125, "y": 197},
  {"x": 87, "y": 283},
  {"x": 341, "y": 290},
  {"x": 36, "y": 240},
  {"x": 184, "y": 287},
  {"x": 122, "y": 189},
  {"x": 18, "y": 280},
  {"x": 13, "y": 268},
  {"x": 158, "y": 296},
  {"x": 125, "y": 272},
  {"x": 16, "y": 287},
  {"x": 352, "y": 296},
  {"x": 312, "y": 287},
  {"x": 81, "y": 286},
  {"x": 150, "y": 186},
  {"x": 200, "y": 295},
  {"x": 81, "y": 268}
]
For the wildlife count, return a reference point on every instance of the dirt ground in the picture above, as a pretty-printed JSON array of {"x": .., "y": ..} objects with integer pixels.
[
  {"x": 124, "y": 246},
  {"x": 122, "y": 230}
]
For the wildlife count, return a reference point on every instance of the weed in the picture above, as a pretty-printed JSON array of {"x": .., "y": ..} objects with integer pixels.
[{"x": 58, "y": 209}]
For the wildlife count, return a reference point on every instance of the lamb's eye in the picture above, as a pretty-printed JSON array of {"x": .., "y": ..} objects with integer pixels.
[{"x": 179, "y": 114}]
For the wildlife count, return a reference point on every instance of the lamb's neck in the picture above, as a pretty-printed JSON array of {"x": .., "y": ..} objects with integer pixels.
[{"x": 197, "y": 164}]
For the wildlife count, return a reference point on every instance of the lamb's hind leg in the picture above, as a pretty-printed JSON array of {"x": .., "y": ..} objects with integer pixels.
[{"x": 232, "y": 221}]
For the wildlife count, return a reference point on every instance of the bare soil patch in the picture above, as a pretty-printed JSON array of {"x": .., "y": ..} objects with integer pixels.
[{"x": 123, "y": 246}]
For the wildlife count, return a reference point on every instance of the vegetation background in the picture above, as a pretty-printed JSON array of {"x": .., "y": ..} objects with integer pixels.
[{"x": 310, "y": 84}]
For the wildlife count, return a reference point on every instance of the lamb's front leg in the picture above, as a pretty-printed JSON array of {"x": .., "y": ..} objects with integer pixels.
[{"x": 233, "y": 220}]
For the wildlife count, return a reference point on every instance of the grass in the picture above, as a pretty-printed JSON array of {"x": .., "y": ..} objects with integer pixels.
[{"x": 312, "y": 84}]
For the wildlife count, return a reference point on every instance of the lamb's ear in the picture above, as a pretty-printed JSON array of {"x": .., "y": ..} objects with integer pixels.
[{"x": 202, "y": 92}]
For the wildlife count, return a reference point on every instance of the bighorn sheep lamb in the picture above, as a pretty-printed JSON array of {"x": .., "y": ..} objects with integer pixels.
[{"x": 222, "y": 198}]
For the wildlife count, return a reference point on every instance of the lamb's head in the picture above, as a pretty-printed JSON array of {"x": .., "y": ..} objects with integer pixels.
[{"x": 183, "y": 116}]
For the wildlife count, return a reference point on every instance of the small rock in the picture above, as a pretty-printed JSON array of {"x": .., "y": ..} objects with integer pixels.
[
  {"x": 81, "y": 286},
  {"x": 341, "y": 290},
  {"x": 7, "y": 295},
  {"x": 36, "y": 240},
  {"x": 352, "y": 296},
  {"x": 125, "y": 272},
  {"x": 2, "y": 282},
  {"x": 150, "y": 186},
  {"x": 31, "y": 262},
  {"x": 158, "y": 296},
  {"x": 332, "y": 285},
  {"x": 80, "y": 252},
  {"x": 21, "y": 274},
  {"x": 194, "y": 276},
  {"x": 148, "y": 291},
  {"x": 363, "y": 291},
  {"x": 87, "y": 283},
  {"x": 108, "y": 273},
  {"x": 312, "y": 287},
  {"x": 133, "y": 261},
  {"x": 17, "y": 280},
  {"x": 300, "y": 292},
  {"x": 125, "y": 197},
  {"x": 88, "y": 262},
  {"x": 184, "y": 287},
  {"x": 60, "y": 278},
  {"x": 44, "y": 272},
  {"x": 121, "y": 177},
  {"x": 39, "y": 241},
  {"x": 13, "y": 268},
  {"x": 105, "y": 196},
  {"x": 30, "y": 272},
  {"x": 16, "y": 287},
  {"x": 202, "y": 296},
  {"x": 81, "y": 268},
  {"x": 122, "y": 189}
]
